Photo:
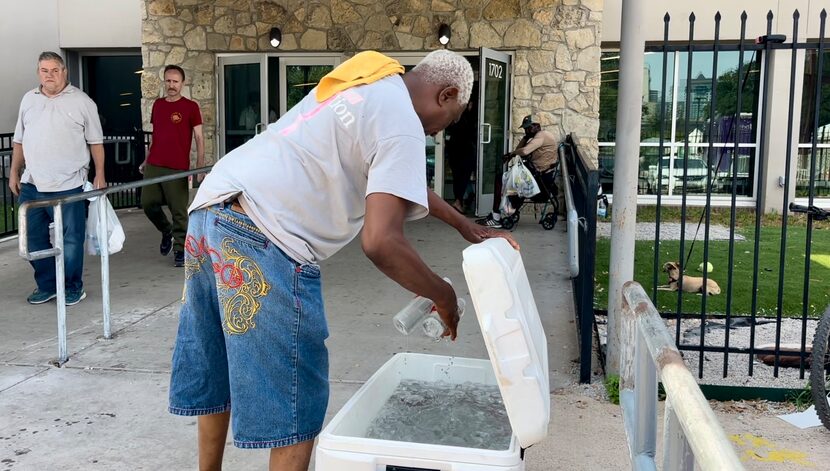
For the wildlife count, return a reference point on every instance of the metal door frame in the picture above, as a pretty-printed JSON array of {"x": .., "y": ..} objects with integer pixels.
[
  {"x": 484, "y": 203},
  {"x": 221, "y": 62}
]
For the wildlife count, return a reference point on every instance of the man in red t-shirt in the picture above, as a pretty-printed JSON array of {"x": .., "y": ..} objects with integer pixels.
[{"x": 176, "y": 121}]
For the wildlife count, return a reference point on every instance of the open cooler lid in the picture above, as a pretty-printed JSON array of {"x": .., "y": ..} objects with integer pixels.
[{"x": 513, "y": 335}]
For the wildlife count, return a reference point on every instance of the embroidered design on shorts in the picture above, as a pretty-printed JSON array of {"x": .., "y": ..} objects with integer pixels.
[
  {"x": 196, "y": 253},
  {"x": 240, "y": 284},
  {"x": 239, "y": 281}
]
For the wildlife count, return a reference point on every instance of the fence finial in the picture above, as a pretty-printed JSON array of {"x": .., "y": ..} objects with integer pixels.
[
  {"x": 796, "y": 14},
  {"x": 770, "y": 16},
  {"x": 743, "y": 17},
  {"x": 692, "y": 17},
  {"x": 717, "y": 16},
  {"x": 666, "y": 17}
]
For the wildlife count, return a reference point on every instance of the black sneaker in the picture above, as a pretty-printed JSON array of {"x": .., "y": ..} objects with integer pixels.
[
  {"x": 166, "y": 243},
  {"x": 179, "y": 258},
  {"x": 74, "y": 297},
  {"x": 489, "y": 222},
  {"x": 40, "y": 297},
  {"x": 482, "y": 221}
]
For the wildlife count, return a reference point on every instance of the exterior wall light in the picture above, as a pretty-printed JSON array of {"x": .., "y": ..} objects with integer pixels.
[
  {"x": 444, "y": 34},
  {"x": 276, "y": 37}
]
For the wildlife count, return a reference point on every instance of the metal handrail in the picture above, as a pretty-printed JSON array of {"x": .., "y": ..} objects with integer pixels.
[
  {"x": 103, "y": 241},
  {"x": 573, "y": 217},
  {"x": 691, "y": 431}
]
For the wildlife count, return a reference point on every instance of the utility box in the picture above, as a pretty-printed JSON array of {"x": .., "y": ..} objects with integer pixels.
[{"x": 518, "y": 365}]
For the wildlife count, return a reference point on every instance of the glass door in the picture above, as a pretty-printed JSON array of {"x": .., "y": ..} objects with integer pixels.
[
  {"x": 299, "y": 75},
  {"x": 494, "y": 116},
  {"x": 434, "y": 144},
  {"x": 241, "y": 100}
]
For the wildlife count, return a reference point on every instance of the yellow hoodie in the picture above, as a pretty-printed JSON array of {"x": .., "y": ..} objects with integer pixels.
[{"x": 365, "y": 67}]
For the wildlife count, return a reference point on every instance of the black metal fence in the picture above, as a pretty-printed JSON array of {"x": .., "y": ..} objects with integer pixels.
[
  {"x": 8, "y": 221},
  {"x": 584, "y": 187},
  {"x": 767, "y": 281},
  {"x": 123, "y": 154}
]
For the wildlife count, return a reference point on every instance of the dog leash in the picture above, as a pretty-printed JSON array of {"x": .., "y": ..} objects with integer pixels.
[{"x": 720, "y": 159}]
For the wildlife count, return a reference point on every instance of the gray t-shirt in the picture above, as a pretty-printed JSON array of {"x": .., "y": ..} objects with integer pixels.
[
  {"x": 304, "y": 181},
  {"x": 55, "y": 134}
]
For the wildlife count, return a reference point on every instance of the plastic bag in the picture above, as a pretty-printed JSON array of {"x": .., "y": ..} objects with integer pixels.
[
  {"x": 507, "y": 188},
  {"x": 505, "y": 208},
  {"x": 521, "y": 181},
  {"x": 115, "y": 233}
]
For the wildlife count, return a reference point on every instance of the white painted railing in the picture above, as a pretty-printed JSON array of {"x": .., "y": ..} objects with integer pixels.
[
  {"x": 573, "y": 217},
  {"x": 692, "y": 434}
]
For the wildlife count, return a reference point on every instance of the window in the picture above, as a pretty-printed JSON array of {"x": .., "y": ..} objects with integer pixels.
[
  {"x": 300, "y": 79},
  {"x": 808, "y": 122},
  {"x": 686, "y": 122},
  {"x": 242, "y": 103},
  {"x": 299, "y": 75}
]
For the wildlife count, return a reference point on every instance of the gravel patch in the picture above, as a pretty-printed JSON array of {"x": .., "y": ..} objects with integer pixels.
[
  {"x": 670, "y": 231},
  {"x": 753, "y": 408},
  {"x": 595, "y": 390},
  {"x": 739, "y": 336}
]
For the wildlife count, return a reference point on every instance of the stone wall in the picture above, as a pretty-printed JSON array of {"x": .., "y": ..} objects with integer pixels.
[{"x": 556, "y": 43}]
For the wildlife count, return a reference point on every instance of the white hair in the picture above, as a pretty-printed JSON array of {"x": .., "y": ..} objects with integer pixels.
[{"x": 448, "y": 69}]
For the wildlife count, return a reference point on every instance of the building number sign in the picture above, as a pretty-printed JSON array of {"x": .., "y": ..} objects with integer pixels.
[{"x": 495, "y": 70}]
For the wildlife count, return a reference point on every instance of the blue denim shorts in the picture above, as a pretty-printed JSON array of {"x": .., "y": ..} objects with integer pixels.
[{"x": 251, "y": 336}]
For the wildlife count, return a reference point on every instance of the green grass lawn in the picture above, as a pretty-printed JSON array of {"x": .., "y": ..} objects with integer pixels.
[
  {"x": 768, "y": 271},
  {"x": 7, "y": 215}
]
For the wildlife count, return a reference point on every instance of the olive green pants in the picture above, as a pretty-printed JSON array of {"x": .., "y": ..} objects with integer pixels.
[{"x": 175, "y": 195}]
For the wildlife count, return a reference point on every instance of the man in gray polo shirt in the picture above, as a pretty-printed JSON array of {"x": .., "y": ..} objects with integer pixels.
[{"x": 57, "y": 130}]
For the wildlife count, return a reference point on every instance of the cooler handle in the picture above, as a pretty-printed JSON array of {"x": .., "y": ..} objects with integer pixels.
[{"x": 391, "y": 467}]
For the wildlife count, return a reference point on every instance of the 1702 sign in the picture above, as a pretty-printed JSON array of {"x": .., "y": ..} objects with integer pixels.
[{"x": 495, "y": 70}]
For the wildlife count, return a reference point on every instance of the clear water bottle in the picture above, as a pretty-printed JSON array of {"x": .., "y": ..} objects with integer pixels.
[
  {"x": 434, "y": 327},
  {"x": 414, "y": 313}
]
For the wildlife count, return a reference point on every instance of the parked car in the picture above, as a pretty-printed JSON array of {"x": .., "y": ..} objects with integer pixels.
[
  {"x": 673, "y": 176},
  {"x": 606, "y": 158}
]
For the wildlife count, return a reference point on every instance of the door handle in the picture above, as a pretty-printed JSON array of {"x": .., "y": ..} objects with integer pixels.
[
  {"x": 122, "y": 160},
  {"x": 489, "y": 133}
]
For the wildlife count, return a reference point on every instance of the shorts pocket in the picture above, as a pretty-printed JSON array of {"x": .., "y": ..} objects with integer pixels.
[
  {"x": 309, "y": 270},
  {"x": 239, "y": 231}
]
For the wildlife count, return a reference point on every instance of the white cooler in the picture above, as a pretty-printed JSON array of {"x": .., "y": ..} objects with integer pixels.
[{"x": 518, "y": 363}]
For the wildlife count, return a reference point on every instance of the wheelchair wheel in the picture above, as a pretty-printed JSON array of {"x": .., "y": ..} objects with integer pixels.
[
  {"x": 510, "y": 222},
  {"x": 820, "y": 369},
  {"x": 549, "y": 221}
]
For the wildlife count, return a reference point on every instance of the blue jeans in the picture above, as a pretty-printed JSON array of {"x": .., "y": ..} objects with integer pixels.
[
  {"x": 74, "y": 232},
  {"x": 251, "y": 336}
]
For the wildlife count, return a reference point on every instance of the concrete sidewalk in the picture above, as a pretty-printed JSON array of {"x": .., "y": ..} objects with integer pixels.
[{"x": 106, "y": 408}]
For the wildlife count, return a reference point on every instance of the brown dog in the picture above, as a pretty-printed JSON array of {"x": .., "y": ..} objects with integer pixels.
[{"x": 691, "y": 284}]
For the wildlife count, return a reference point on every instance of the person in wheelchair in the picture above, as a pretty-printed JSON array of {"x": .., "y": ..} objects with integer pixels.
[{"x": 538, "y": 149}]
